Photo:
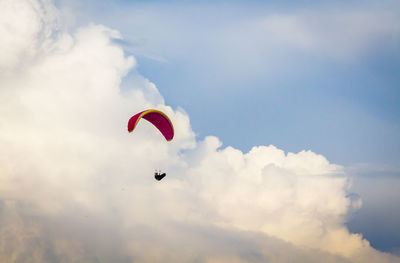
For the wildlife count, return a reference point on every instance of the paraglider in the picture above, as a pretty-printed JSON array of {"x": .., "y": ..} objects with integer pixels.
[
  {"x": 157, "y": 118},
  {"x": 161, "y": 121},
  {"x": 158, "y": 175}
]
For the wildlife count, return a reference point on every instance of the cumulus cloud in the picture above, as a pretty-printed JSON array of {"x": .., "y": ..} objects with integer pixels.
[
  {"x": 75, "y": 186},
  {"x": 28, "y": 27}
]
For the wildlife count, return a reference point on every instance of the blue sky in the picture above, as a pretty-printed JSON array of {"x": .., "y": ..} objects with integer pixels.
[
  {"x": 320, "y": 76},
  {"x": 336, "y": 95}
]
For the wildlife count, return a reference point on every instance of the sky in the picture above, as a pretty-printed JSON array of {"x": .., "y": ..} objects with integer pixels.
[
  {"x": 325, "y": 70},
  {"x": 286, "y": 118}
]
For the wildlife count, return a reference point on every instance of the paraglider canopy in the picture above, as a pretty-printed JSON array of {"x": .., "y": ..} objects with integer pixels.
[{"x": 157, "y": 118}]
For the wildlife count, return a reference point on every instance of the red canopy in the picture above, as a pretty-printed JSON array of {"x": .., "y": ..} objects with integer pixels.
[{"x": 157, "y": 118}]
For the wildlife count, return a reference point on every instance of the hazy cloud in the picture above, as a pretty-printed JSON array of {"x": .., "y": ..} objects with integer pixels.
[{"x": 338, "y": 33}]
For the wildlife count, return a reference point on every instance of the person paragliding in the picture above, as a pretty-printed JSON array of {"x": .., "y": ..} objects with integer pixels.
[
  {"x": 161, "y": 121},
  {"x": 158, "y": 175}
]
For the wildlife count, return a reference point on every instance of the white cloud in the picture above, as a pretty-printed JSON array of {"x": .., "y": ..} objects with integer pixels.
[
  {"x": 28, "y": 26},
  {"x": 76, "y": 186}
]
